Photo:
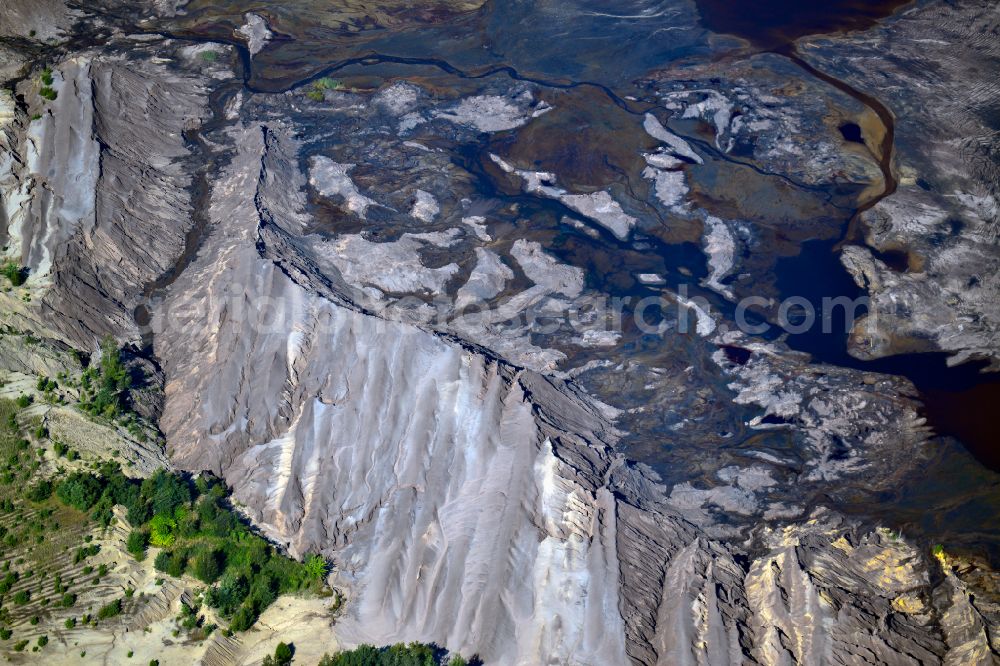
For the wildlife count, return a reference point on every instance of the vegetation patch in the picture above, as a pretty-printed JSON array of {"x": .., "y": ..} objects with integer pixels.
[
  {"x": 105, "y": 387},
  {"x": 15, "y": 273},
  {"x": 414, "y": 654},
  {"x": 199, "y": 536},
  {"x": 319, "y": 86}
]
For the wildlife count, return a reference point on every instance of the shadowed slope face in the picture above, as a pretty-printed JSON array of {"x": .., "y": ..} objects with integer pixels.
[{"x": 375, "y": 250}]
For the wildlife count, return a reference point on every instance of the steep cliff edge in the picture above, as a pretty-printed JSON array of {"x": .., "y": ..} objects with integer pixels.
[{"x": 97, "y": 188}]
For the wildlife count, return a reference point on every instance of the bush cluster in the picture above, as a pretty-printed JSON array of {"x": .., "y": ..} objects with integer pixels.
[
  {"x": 198, "y": 534},
  {"x": 106, "y": 385},
  {"x": 15, "y": 273},
  {"x": 414, "y": 654},
  {"x": 110, "y": 609}
]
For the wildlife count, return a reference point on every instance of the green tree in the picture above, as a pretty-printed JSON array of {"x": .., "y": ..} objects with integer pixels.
[
  {"x": 40, "y": 492},
  {"x": 110, "y": 609},
  {"x": 243, "y": 618},
  {"x": 233, "y": 588},
  {"x": 283, "y": 654},
  {"x": 103, "y": 511},
  {"x": 161, "y": 531},
  {"x": 14, "y": 273},
  {"x": 206, "y": 565},
  {"x": 113, "y": 380},
  {"x": 363, "y": 655},
  {"x": 136, "y": 543},
  {"x": 315, "y": 567},
  {"x": 80, "y": 490},
  {"x": 166, "y": 492}
]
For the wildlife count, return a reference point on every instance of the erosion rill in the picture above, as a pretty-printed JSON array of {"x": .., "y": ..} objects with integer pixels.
[{"x": 465, "y": 326}]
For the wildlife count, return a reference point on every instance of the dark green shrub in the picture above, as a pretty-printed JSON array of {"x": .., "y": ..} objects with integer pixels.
[
  {"x": 14, "y": 273},
  {"x": 136, "y": 543},
  {"x": 162, "y": 561},
  {"x": 243, "y": 618},
  {"x": 40, "y": 492},
  {"x": 166, "y": 492},
  {"x": 84, "y": 552},
  {"x": 80, "y": 490},
  {"x": 110, "y": 609},
  {"x": 8, "y": 581},
  {"x": 283, "y": 654},
  {"x": 206, "y": 565},
  {"x": 171, "y": 562}
]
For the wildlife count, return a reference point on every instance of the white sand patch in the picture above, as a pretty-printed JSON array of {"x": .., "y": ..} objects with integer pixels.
[
  {"x": 255, "y": 31},
  {"x": 676, "y": 144},
  {"x": 600, "y": 207},
  {"x": 545, "y": 271},
  {"x": 487, "y": 113},
  {"x": 486, "y": 281},
  {"x": 720, "y": 248},
  {"x": 670, "y": 187},
  {"x": 425, "y": 207},
  {"x": 330, "y": 179}
]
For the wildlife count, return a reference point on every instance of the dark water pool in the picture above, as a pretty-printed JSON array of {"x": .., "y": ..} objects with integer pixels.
[
  {"x": 770, "y": 24},
  {"x": 958, "y": 401}
]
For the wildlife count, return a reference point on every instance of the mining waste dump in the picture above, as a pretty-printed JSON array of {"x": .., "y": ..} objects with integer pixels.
[{"x": 657, "y": 332}]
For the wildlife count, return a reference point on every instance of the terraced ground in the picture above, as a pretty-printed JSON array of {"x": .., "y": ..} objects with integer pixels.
[
  {"x": 56, "y": 569},
  {"x": 68, "y": 585},
  {"x": 58, "y": 566}
]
